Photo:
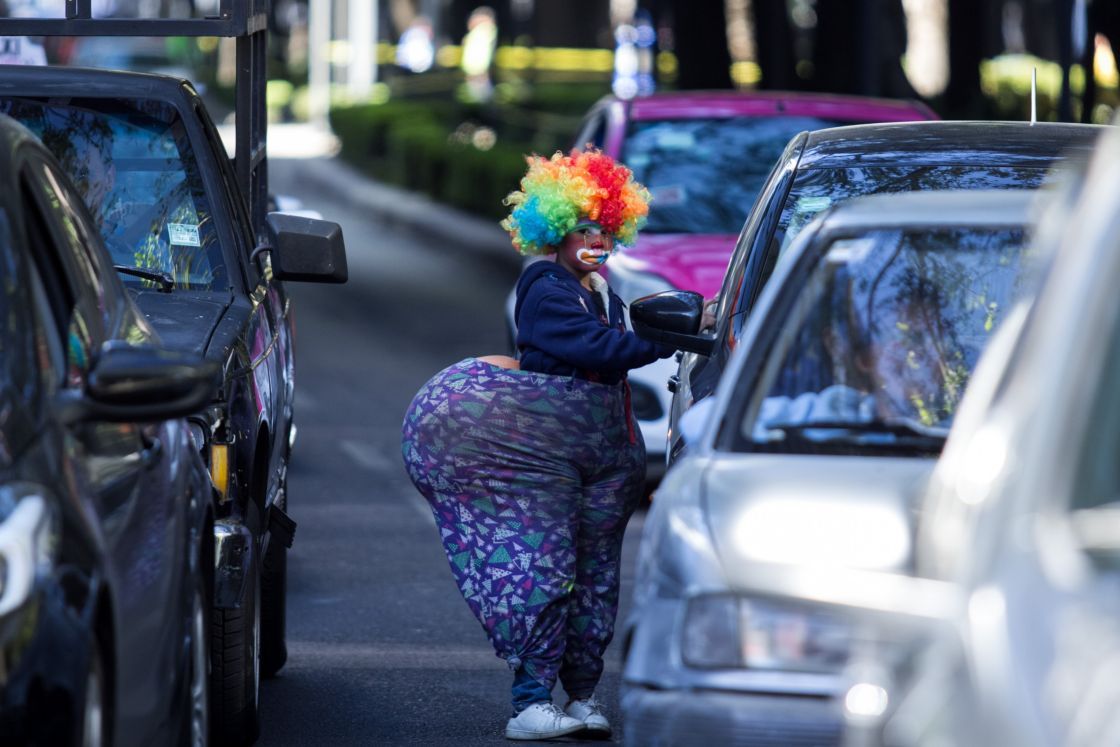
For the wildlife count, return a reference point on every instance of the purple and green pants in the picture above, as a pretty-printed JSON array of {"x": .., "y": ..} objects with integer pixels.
[{"x": 532, "y": 479}]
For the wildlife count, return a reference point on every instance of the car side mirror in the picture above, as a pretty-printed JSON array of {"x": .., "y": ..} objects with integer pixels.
[
  {"x": 672, "y": 318},
  {"x": 306, "y": 249},
  {"x": 133, "y": 384}
]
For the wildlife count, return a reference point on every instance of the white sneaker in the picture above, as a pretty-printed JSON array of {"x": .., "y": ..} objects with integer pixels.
[
  {"x": 542, "y": 721},
  {"x": 590, "y": 712}
]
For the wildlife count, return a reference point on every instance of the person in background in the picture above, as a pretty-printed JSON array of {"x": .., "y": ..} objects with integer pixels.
[
  {"x": 533, "y": 467},
  {"x": 478, "y": 52}
]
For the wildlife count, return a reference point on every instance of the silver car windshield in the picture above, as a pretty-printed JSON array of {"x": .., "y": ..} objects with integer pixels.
[
  {"x": 134, "y": 166},
  {"x": 880, "y": 344}
]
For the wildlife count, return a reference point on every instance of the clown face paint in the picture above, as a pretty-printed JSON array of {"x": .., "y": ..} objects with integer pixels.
[{"x": 588, "y": 245}]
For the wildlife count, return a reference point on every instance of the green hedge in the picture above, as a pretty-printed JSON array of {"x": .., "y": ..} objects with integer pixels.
[{"x": 426, "y": 147}]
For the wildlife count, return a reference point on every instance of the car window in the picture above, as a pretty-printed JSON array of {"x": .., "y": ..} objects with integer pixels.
[
  {"x": 1097, "y": 478},
  {"x": 816, "y": 190},
  {"x": 879, "y": 345},
  {"x": 133, "y": 165},
  {"x": 704, "y": 174},
  {"x": 74, "y": 292},
  {"x": 18, "y": 362}
]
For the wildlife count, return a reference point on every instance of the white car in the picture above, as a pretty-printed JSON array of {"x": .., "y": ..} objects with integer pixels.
[
  {"x": 808, "y": 461},
  {"x": 1021, "y": 526}
]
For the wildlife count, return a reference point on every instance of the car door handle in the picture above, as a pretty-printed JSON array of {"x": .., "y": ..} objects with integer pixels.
[
  {"x": 673, "y": 383},
  {"x": 151, "y": 453}
]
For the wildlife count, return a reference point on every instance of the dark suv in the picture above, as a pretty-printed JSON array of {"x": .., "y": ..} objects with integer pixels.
[
  {"x": 149, "y": 162},
  {"x": 820, "y": 169}
]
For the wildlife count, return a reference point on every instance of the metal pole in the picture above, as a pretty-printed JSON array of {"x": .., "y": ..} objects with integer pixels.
[
  {"x": 359, "y": 75},
  {"x": 318, "y": 63}
]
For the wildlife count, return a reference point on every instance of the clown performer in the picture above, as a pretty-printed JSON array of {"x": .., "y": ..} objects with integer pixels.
[{"x": 533, "y": 467}]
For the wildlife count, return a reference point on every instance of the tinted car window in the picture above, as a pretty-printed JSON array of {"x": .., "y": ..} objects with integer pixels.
[
  {"x": 886, "y": 333},
  {"x": 815, "y": 190},
  {"x": 133, "y": 164},
  {"x": 704, "y": 174}
]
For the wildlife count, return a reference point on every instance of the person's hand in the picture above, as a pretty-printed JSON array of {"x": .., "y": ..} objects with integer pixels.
[{"x": 708, "y": 320}]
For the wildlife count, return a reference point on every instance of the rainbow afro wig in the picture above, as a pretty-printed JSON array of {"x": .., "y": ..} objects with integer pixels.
[{"x": 556, "y": 193}]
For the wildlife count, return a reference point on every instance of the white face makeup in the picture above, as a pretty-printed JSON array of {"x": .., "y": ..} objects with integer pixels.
[{"x": 594, "y": 246}]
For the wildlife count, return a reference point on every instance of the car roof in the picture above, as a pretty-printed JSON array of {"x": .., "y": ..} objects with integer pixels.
[
  {"x": 35, "y": 80},
  {"x": 719, "y": 104},
  {"x": 948, "y": 207},
  {"x": 948, "y": 143}
]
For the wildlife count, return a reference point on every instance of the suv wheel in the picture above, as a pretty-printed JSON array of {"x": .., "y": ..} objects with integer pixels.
[{"x": 235, "y": 666}]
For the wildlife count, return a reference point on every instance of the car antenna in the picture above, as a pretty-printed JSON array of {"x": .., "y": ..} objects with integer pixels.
[{"x": 1034, "y": 95}]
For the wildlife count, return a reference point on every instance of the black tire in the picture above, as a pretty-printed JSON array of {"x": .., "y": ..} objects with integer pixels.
[
  {"x": 274, "y": 597},
  {"x": 235, "y": 668},
  {"x": 197, "y": 724},
  {"x": 95, "y": 718}
]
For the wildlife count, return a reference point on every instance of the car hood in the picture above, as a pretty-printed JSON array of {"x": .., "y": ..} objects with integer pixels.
[
  {"x": 695, "y": 262},
  {"x": 183, "y": 322},
  {"x": 829, "y": 511}
]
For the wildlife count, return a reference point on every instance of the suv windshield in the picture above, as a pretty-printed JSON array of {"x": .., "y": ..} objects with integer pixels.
[
  {"x": 133, "y": 164},
  {"x": 815, "y": 190},
  {"x": 880, "y": 343},
  {"x": 704, "y": 174}
]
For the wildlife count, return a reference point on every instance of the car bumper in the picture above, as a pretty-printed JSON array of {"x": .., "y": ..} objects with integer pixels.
[{"x": 667, "y": 718}]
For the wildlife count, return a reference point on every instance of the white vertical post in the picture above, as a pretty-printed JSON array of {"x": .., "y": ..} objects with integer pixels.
[
  {"x": 318, "y": 63},
  {"x": 362, "y": 17}
]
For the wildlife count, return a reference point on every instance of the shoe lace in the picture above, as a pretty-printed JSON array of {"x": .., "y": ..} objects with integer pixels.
[
  {"x": 553, "y": 710},
  {"x": 593, "y": 705}
]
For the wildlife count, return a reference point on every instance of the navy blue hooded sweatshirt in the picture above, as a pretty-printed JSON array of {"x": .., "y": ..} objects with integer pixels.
[{"x": 562, "y": 328}]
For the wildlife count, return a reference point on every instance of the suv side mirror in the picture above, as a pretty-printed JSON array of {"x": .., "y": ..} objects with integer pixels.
[
  {"x": 133, "y": 384},
  {"x": 672, "y": 318},
  {"x": 306, "y": 249}
]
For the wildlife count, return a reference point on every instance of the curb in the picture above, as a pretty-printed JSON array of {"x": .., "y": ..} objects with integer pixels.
[{"x": 417, "y": 213}]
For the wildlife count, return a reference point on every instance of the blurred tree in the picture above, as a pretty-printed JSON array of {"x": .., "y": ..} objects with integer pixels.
[
  {"x": 700, "y": 44},
  {"x": 859, "y": 47},
  {"x": 1104, "y": 19},
  {"x": 773, "y": 43},
  {"x": 967, "y": 34}
]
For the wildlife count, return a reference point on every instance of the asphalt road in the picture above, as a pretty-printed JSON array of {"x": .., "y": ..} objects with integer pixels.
[{"x": 382, "y": 649}]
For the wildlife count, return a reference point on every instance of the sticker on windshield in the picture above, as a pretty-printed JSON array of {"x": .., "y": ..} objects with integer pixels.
[
  {"x": 674, "y": 140},
  {"x": 183, "y": 234},
  {"x": 849, "y": 251},
  {"x": 670, "y": 194}
]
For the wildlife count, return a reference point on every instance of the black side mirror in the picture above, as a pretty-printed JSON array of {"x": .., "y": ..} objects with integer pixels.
[
  {"x": 134, "y": 384},
  {"x": 306, "y": 249},
  {"x": 672, "y": 318}
]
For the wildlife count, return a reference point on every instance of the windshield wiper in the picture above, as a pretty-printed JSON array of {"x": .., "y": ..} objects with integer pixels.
[
  {"x": 903, "y": 429},
  {"x": 166, "y": 282}
]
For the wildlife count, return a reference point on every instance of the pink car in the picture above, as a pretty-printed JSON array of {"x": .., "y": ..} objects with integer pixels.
[{"x": 704, "y": 155}]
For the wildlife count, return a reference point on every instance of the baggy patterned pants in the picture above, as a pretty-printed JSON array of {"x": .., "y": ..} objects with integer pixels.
[{"x": 532, "y": 479}]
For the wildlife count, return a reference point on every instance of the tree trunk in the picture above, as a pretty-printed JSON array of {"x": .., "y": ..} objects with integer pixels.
[
  {"x": 773, "y": 42},
  {"x": 963, "y": 97},
  {"x": 700, "y": 43}
]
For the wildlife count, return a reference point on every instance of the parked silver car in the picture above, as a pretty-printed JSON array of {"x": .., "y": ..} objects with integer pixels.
[
  {"x": 1021, "y": 525},
  {"x": 822, "y": 434}
]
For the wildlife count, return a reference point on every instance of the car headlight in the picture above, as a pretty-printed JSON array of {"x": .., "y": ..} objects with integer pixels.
[
  {"x": 728, "y": 631},
  {"x": 28, "y": 541}
]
